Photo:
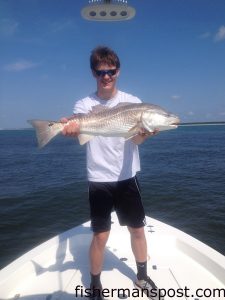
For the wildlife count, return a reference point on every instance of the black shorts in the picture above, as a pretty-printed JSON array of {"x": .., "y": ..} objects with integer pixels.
[{"x": 123, "y": 196}]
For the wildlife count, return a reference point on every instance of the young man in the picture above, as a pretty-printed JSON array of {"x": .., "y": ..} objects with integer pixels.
[{"x": 112, "y": 164}]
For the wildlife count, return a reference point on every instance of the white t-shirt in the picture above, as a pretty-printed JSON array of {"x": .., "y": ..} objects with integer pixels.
[{"x": 109, "y": 158}]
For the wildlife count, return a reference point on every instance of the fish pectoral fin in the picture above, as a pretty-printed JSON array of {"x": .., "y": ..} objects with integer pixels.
[
  {"x": 132, "y": 132},
  {"x": 84, "y": 138},
  {"x": 128, "y": 137}
]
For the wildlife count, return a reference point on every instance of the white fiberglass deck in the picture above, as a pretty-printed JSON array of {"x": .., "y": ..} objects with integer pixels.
[{"x": 54, "y": 270}]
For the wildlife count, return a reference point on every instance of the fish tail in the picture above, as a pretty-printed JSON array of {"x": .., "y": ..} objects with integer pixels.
[{"x": 45, "y": 130}]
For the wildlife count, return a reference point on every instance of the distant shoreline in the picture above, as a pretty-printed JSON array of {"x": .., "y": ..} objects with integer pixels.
[
  {"x": 201, "y": 123},
  {"x": 183, "y": 124},
  {"x": 25, "y": 128}
]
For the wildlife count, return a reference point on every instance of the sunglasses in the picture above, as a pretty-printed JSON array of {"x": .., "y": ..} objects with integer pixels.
[{"x": 102, "y": 73}]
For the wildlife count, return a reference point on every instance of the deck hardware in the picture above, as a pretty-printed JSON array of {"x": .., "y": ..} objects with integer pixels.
[
  {"x": 150, "y": 228},
  {"x": 123, "y": 259}
]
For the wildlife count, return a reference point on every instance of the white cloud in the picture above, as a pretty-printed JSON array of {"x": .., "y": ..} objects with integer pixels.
[
  {"x": 220, "y": 35},
  {"x": 62, "y": 25},
  {"x": 8, "y": 27},
  {"x": 208, "y": 115},
  {"x": 175, "y": 97},
  {"x": 190, "y": 113},
  {"x": 20, "y": 65},
  {"x": 205, "y": 35}
]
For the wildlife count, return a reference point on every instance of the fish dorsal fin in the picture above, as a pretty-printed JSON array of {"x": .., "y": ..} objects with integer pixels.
[
  {"x": 84, "y": 138},
  {"x": 98, "y": 108},
  {"x": 121, "y": 104}
]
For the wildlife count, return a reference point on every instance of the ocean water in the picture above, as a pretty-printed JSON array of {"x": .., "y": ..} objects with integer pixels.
[{"x": 44, "y": 192}]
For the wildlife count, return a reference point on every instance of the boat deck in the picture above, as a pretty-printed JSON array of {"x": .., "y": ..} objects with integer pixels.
[{"x": 59, "y": 268}]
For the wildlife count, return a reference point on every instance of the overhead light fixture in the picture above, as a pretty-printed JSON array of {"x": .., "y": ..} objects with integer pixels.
[{"x": 108, "y": 10}]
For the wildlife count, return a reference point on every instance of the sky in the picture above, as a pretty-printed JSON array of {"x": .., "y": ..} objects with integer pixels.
[{"x": 172, "y": 54}]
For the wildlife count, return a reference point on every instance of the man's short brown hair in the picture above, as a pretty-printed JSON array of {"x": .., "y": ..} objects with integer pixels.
[{"x": 103, "y": 55}]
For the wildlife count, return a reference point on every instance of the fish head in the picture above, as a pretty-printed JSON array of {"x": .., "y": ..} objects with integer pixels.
[{"x": 158, "y": 118}]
